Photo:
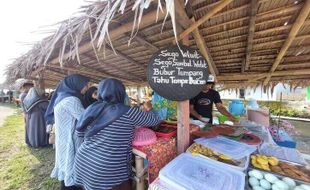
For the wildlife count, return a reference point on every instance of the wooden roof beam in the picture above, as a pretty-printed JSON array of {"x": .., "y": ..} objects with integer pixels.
[
  {"x": 199, "y": 22},
  {"x": 184, "y": 21},
  {"x": 257, "y": 44},
  {"x": 291, "y": 36},
  {"x": 273, "y": 12},
  {"x": 111, "y": 66},
  {"x": 75, "y": 70},
  {"x": 141, "y": 40},
  {"x": 254, "y": 8},
  {"x": 126, "y": 57},
  {"x": 95, "y": 75}
]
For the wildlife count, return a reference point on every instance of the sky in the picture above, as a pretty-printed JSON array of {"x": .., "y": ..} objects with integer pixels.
[{"x": 23, "y": 23}]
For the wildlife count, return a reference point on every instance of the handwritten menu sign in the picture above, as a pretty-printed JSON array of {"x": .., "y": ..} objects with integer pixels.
[{"x": 177, "y": 75}]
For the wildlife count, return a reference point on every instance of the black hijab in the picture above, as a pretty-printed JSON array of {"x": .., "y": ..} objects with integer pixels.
[{"x": 88, "y": 97}]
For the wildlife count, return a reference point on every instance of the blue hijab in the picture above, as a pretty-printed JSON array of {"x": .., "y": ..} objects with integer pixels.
[
  {"x": 109, "y": 107},
  {"x": 69, "y": 86}
]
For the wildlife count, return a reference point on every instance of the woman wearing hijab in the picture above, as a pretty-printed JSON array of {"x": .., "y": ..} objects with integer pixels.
[
  {"x": 24, "y": 91},
  {"x": 88, "y": 97},
  {"x": 35, "y": 106},
  {"x": 103, "y": 160},
  {"x": 64, "y": 110}
]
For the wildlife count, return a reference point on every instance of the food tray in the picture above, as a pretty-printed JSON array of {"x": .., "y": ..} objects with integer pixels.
[
  {"x": 187, "y": 172},
  {"x": 244, "y": 162},
  {"x": 231, "y": 148},
  {"x": 285, "y": 161},
  {"x": 248, "y": 186}
]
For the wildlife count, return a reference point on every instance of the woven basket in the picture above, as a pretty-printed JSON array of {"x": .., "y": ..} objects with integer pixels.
[{"x": 144, "y": 136}]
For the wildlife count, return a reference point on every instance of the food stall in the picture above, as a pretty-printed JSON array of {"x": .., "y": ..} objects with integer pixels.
[{"x": 242, "y": 43}]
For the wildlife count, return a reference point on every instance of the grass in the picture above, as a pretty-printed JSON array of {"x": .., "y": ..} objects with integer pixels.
[{"x": 22, "y": 167}]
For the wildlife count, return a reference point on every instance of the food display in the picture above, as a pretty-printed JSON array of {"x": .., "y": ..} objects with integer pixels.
[
  {"x": 259, "y": 180},
  {"x": 272, "y": 164},
  {"x": 188, "y": 172},
  {"x": 263, "y": 162},
  {"x": 204, "y": 151}
]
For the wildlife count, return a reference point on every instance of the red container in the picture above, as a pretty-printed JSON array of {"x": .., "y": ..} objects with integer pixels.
[{"x": 166, "y": 132}]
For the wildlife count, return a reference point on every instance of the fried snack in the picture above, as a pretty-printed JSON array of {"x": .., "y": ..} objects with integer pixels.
[
  {"x": 276, "y": 169},
  {"x": 200, "y": 149}
]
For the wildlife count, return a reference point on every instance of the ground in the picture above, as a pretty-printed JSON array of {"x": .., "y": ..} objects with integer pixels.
[
  {"x": 4, "y": 112},
  {"x": 22, "y": 167}
]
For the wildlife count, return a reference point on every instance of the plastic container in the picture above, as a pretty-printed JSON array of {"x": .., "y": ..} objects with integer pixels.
[
  {"x": 222, "y": 118},
  {"x": 253, "y": 104},
  {"x": 166, "y": 135},
  {"x": 231, "y": 148},
  {"x": 158, "y": 184},
  {"x": 198, "y": 123},
  {"x": 187, "y": 172},
  {"x": 288, "y": 144},
  {"x": 243, "y": 166},
  {"x": 260, "y": 116},
  {"x": 236, "y": 107},
  {"x": 144, "y": 136},
  {"x": 283, "y": 153},
  {"x": 281, "y": 137}
]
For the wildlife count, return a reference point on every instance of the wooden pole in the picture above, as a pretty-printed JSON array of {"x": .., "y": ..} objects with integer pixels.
[
  {"x": 41, "y": 81},
  {"x": 183, "y": 136},
  {"x": 185, "y": 22},
  {"x": 254, "y": 8},
  {"x": 139, "y": 169},
  {"x": 205, "y": 52},
  {"x": 183, "y": 126},
  {"x": 291, "y": 36}
]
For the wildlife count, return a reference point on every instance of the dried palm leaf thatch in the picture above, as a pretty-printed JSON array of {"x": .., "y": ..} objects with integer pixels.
[
  {"x": 20, "y": 82},
  {"x": 95, "y": 22},
  {"x": 269, "y": 89}
]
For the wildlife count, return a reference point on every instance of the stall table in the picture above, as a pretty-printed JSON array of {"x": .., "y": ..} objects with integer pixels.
[{"x": 157, "y": 155}]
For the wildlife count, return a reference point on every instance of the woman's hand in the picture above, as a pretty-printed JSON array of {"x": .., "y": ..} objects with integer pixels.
[
  {"x": 233, "y": 119},
  {"x": 204, "y": 119}
]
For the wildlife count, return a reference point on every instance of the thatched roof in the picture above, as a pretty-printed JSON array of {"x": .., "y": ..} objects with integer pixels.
[{"x": 246, "y": 42}]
